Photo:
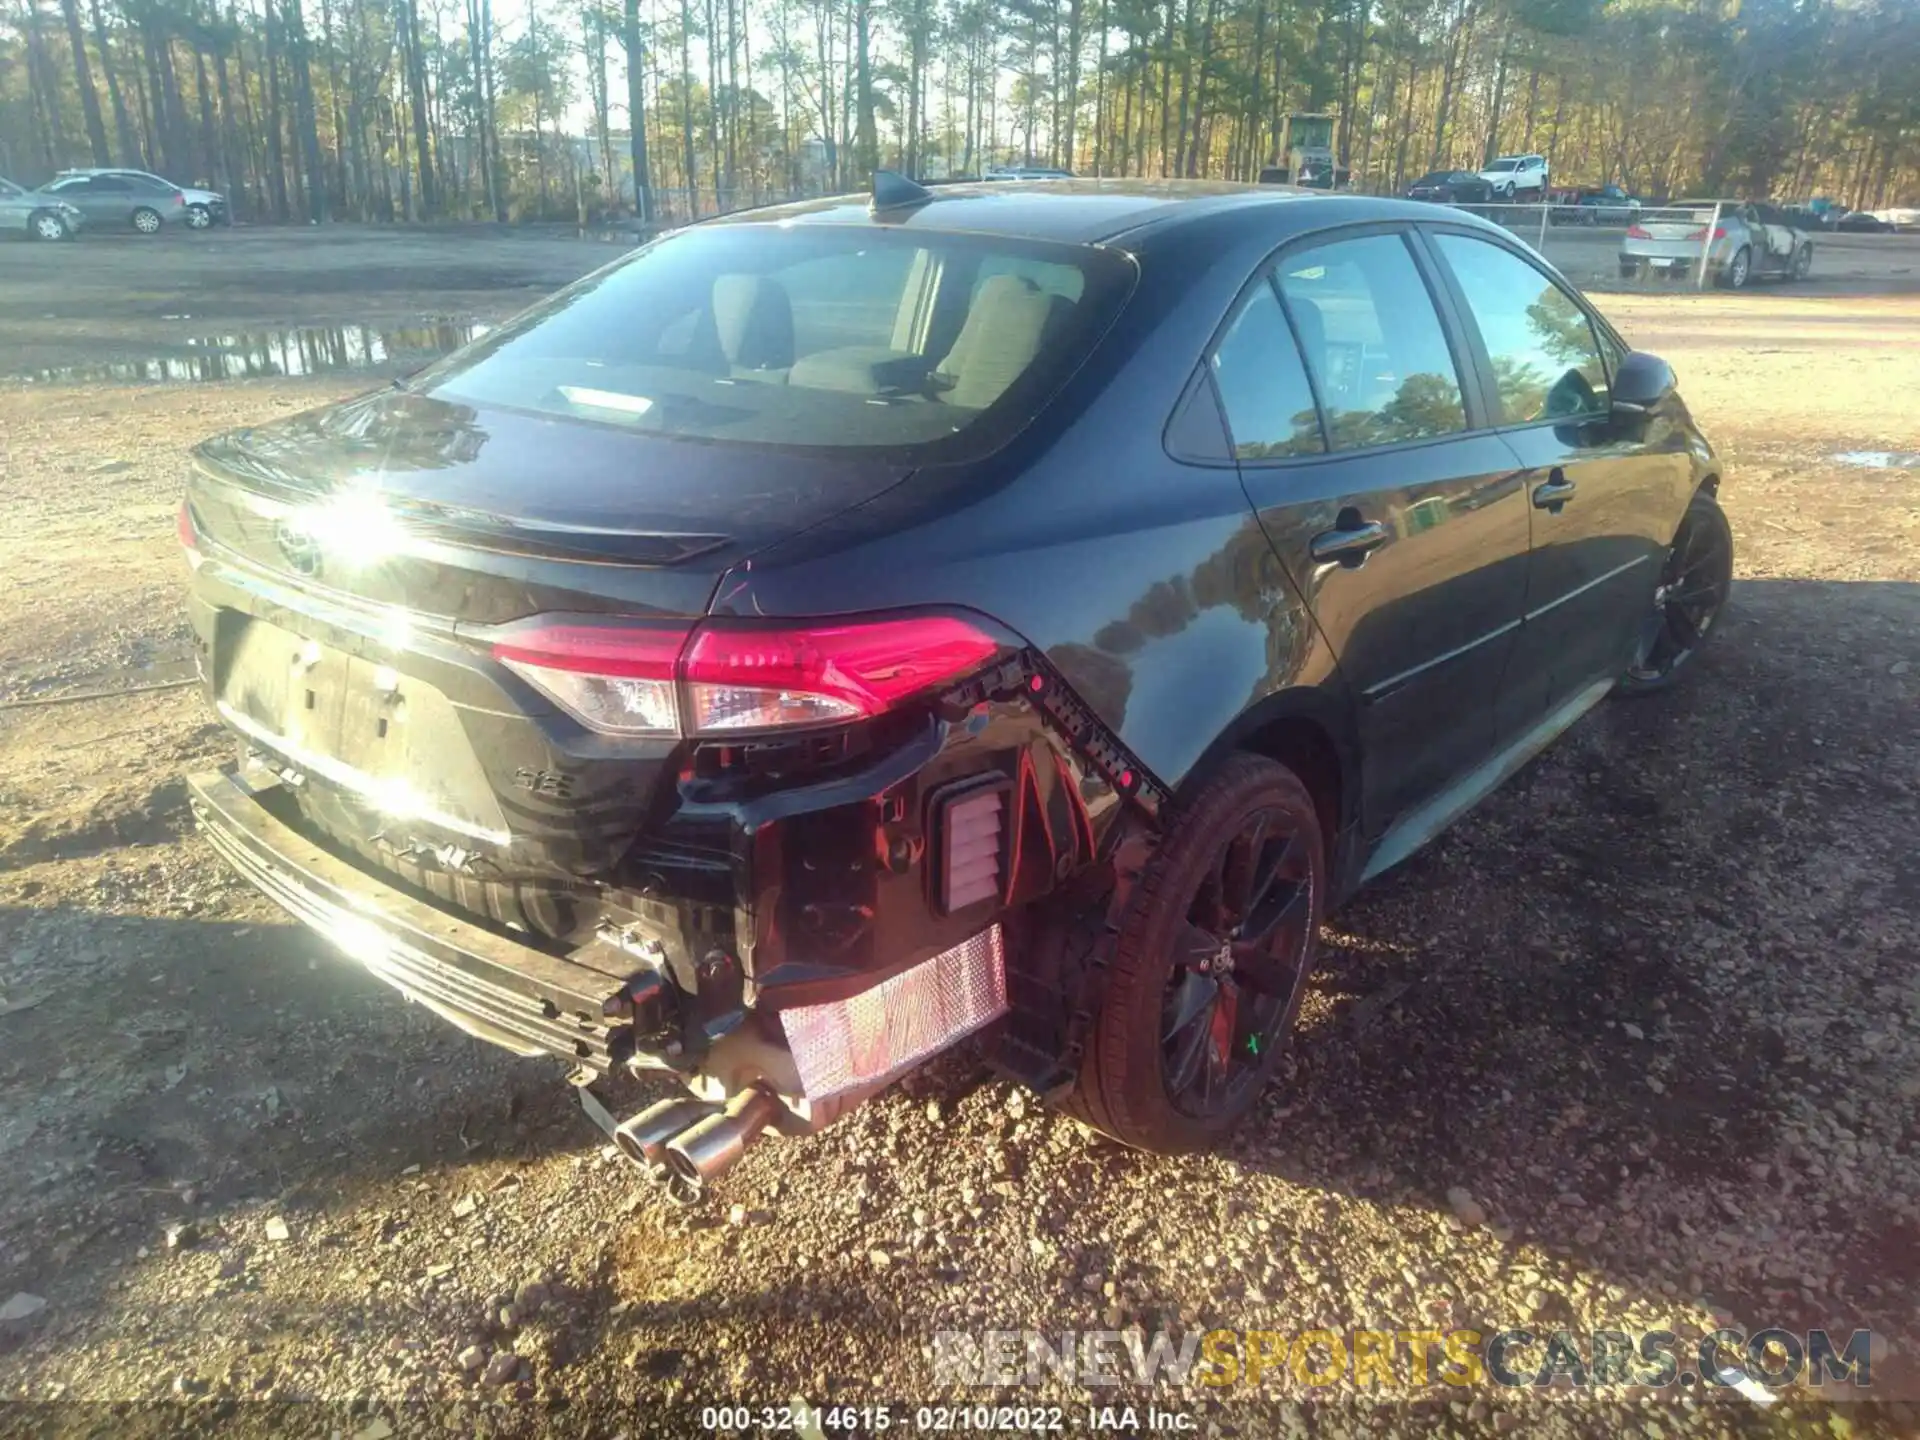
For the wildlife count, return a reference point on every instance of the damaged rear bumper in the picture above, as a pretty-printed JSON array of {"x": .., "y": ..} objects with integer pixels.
[{"x": 489, "y": 985}]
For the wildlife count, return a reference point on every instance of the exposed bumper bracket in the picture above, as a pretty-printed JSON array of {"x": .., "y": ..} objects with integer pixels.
[{"x": 509, "y": 993}]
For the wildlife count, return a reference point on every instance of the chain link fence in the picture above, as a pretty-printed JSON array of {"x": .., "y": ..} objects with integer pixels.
[
  {"x": 1599, "y": 245},
  {"x": 1656, "y": 248}
]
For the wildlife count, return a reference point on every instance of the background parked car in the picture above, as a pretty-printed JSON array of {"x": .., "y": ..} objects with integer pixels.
[
  {"x": 1803, "y": 217},
  {"x": 1515, "y": 175},
  {"x": 1862, "y": 222},
  {"x": 1751, "y": 238},
  {"x": 1451, "y": 187},
  {"x": 118, "y": 199},
  {"x": 205, "y": 208},
  {"x": 1596, "y": 205},
  {"x": 36, "y": 214}
]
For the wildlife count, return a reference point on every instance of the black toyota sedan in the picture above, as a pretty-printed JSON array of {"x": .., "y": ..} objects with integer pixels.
[
  {"x": 1451, "y": 187},
  {"x": 1023, "y": 609}
]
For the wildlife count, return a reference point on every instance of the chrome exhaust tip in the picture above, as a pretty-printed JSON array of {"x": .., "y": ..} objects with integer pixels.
[
  {"x": 709, "y": 1148},
  {"x": 643, "y": 1138}
]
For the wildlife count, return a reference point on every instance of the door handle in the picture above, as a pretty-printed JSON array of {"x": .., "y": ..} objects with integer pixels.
[
  {"x": 1553, "y": 492},
  {"x": 1351, "y": 543}
]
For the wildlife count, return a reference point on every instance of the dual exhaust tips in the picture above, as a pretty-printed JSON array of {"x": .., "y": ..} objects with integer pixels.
[{"x": 686, "y": 1143}]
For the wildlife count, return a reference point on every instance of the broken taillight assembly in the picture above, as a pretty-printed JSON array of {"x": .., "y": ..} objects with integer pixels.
[
  {"x": 1639, "y": 232},
  {"x": 878, "y": 1034},
  {"x": 724, "y": 677},
  {"x": 1719, "y": 233}
]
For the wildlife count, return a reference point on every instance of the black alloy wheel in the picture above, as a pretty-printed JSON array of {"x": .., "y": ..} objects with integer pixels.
[
  {"x": 1693, "y": 589},
  {"x": 1238, "y": 965},
  {"x": 1210, "y": 964}
]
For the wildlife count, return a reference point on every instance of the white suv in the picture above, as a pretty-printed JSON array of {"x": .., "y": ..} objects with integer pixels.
[{"x": 1512, "y": 173}]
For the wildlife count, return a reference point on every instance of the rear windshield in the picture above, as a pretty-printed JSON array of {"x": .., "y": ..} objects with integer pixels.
[{"x": 811, "y": 336}]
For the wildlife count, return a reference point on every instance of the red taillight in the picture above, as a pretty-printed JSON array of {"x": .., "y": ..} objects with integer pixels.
[
  {"x": 731, "y": 678},
  {"x": 1639, "y": 232},
  {"x": 1719, "y": 233},
  {"x": 756, "y": 678},
  {"x": 189, "y": 537},
  {"x": 179, "y": 199}
]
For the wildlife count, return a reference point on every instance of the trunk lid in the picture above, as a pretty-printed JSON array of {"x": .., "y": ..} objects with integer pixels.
[
  {"x": 480, "y": 515},
  {"x": 379, "y": 542},
  {"x": 1672, "y": 227}
]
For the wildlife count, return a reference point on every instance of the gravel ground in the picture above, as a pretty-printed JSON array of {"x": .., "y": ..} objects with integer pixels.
[{"x": 1634, "y": 1046}]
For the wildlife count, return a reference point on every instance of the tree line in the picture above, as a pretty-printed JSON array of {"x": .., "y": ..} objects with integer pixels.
[{"x": 421, "y": 109}]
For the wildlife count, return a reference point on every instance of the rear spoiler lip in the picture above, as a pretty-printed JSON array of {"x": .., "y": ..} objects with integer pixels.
[{"x": 467, "y": 528}]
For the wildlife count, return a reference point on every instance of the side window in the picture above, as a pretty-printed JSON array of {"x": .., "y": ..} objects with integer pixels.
[
  {"x": 846, "y": 299},
  {"x": 1373, "y": 342},
  {"x": 1263, "y": 386},
  {"x": 115, "y": 183},
  {"x": 1065, "y": 281},
  {"x": 1546, "y": 360}
]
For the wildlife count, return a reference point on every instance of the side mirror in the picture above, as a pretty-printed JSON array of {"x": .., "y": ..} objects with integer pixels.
[{"x": 1641, "y": 383}]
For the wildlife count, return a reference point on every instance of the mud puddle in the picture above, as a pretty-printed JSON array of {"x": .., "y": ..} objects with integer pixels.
[{"x": 258, "y": 354}]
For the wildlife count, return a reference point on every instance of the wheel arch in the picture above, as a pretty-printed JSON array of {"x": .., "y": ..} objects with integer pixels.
[{"x": 1309, "y": 730}]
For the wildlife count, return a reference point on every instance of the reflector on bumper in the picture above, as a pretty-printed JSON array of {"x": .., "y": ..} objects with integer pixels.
[{"x": 883, "y": 1032}]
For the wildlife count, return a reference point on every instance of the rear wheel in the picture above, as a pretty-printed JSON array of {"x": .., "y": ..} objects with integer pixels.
[
  {"x": 146, "y": 220},
  {"x": 1739, "y": 270},
  {"x": 1210, "y": 963},
  {"x": 1803, "y": 262},
  {"x": 1629, "y": 269},
  {"x": 48, "y": 226},
  {"x": 1693, "y": 590}
]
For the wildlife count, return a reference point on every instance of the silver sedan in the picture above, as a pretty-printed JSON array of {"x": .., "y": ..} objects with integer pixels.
[{"x": 1748, "y": 240}]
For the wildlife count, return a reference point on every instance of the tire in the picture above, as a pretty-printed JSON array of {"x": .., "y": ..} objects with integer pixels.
[
  {"x": 199, "y": 217},
  {"x": 1629, "y": 269},
  {"x": 1506, "y": 193},
  {"x": 46, "y": 225},
  {"x": 147, "y": 220},
  {"x": 1700, "y": 559},
  {"x": 1738, "y": 270},
  {"x": 1803, "y": 262},
  {"x": 1250, "y": 806}
]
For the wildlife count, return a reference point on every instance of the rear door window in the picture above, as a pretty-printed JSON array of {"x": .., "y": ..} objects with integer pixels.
[
  {"x": 1545, "y": 358},
  {"x": 1373, "y": 342},
  {"x": 1263, "y": 386}
]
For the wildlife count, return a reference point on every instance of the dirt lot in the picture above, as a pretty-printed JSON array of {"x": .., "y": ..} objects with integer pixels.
[{"x": 1655, "y": 1006}]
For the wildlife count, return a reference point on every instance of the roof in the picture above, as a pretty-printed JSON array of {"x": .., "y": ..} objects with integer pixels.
[{"x": 1077, "y": 211}]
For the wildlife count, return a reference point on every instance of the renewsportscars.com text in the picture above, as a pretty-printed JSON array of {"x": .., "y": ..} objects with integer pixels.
[{"x": 1405, "y": 1359}]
